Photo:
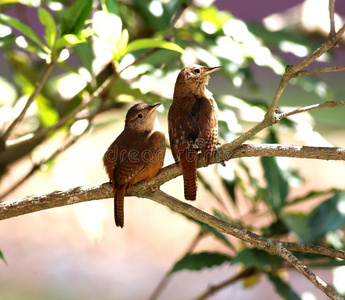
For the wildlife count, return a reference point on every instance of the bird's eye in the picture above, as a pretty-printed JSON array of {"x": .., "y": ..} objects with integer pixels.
[
  {"x": 196, "y": 71},
  {"x": 140, "y": 116}
]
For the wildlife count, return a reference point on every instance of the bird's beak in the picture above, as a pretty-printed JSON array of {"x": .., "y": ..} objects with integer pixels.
[
  {"x": 211, "y": 70},
  {"x": 153, "y": 108}
]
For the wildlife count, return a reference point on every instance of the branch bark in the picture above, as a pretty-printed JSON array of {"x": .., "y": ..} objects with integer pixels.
[{"x": 80, "y": 194}]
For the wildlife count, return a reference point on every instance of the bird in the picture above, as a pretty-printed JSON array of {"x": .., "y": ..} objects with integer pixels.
[
  {"x": 192, "y": 123},
  {"x": 137, "y": 154}
]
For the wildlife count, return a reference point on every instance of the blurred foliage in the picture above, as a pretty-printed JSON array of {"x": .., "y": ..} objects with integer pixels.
[{"x": 87, "y": 41}]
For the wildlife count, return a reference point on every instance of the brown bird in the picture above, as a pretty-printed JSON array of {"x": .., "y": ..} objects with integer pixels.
[
  {"x": 193, "y": 123},
  {"x": 136, "y": 155}
]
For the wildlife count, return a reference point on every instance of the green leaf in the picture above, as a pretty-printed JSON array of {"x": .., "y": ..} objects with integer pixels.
[
  {"x": 74, "y": 18},
  {"x": 46, "y": 113},
  {"x": 198, "y": 261},
  {"x": 297, "y": 223},
  {"x": 110, "y": 7},
  {"x": 2, "y": 257},
  {"x": 69, "y": 40},
  {"x": 283, "y": 288},
  {"x": 277, "y": 185},
  {"x": 85, "y": 54},
  {"x": 50, "y": 27},
  {"x": 253, "y": 257},
  {"x": 24, "y": 29},
  {"x": 328, "y": 216},
  {"x": 152, "y": 43},
  {"x": 218, "y": 235},
  {"x": 120, "y": 47}
]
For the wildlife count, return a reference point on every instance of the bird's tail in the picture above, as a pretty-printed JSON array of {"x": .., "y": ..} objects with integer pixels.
[
  {"x": 119, "y": 196},
  {"x": 189, "y": 160}
]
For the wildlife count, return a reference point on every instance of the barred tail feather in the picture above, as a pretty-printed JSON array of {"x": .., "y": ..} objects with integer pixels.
[
  {"x": 119, "y": 195},
  {"x": 189, "y": 160}
]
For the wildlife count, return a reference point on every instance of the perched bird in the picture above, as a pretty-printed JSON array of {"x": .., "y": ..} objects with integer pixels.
[
  {"x": 193, "y": 123},
  {"x": 136, "y": 155}
]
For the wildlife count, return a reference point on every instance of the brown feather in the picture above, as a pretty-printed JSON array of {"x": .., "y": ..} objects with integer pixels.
[
  {"x": 119, "y": 196},
  {"x": 193, "y": 124},
  {"x": 189, "y": 160}
]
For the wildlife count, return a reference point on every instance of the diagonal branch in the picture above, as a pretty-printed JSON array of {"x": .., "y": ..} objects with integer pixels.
[{"x": 271, "y": 246}]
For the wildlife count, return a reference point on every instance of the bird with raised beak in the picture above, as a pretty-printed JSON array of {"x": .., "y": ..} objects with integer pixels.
[{"x": 193, "y": 123}]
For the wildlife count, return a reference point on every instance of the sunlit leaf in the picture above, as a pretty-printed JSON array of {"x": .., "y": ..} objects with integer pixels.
[
  {"x": 283, "y": 288},
  {"x": 199, "y": 261},
  {"x": 152, "y": 43},
  {"x": 74, "y": 18},
  {"x": 50, "y": 27},
  {"x": 121, "y": 45},
  {"x": 69, "y": 40},
  {"x": 24, "y": 29},
  {"x": 46, "y": 112}
]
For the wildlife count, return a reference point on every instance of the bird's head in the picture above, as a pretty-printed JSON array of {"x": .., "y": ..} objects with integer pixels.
[
  {"x": 141, "y": 117},
  {"x": 194, "y": 78}
]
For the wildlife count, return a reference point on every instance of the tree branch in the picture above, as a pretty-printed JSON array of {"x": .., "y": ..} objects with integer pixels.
[{"x": 224, "y": 153}]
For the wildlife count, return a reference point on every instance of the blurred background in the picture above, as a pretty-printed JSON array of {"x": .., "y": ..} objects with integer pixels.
[{"x": 76, "y": 252}]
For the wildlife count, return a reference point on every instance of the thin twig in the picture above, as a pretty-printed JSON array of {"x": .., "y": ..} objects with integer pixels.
[
  {"x": 32, "y": 97},
  {"x": 331, "y": 19},
  {"x": 245, "y": 273},
  {"x": 298, "y": 110},
  {"x": 299, "y": 266},
  {"x": 176, "y": 17},
  {"x": 290, "y": 72},
  {"x": 321, "y": 70}
]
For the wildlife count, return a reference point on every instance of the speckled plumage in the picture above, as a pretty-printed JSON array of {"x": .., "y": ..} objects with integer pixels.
[{"x": 193, "y": 123}]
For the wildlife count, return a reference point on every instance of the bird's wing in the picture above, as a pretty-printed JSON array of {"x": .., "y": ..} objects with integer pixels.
[
  {"x": 204, "y": 113},
  {"x": 126, "y": 169},
  {"x": 183, "y": 128}
]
